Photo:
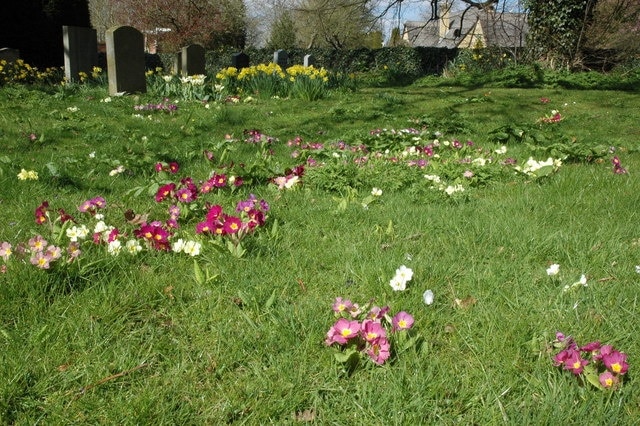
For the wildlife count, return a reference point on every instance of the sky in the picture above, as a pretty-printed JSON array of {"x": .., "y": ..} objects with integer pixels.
[{"x": 411, "y": 10}]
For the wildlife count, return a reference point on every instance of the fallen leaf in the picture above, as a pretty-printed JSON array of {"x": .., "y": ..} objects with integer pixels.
[
  {"x": 307, "y": 415},
  {"x": 168, "y": 291},
  {"x": 465, "y": 303}
]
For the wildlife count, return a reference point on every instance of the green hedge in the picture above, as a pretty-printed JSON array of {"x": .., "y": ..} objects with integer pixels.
[{"x": 405, "y": 61}]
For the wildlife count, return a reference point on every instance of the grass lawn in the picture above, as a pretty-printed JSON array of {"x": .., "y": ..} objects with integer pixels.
[{"x": 168, "y": 338}]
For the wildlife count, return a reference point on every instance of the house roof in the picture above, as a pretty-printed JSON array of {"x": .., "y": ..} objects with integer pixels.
[{"x": 499, "y": 29}]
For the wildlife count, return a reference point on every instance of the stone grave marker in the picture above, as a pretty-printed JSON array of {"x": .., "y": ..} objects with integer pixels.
[
  {"x": 177, "y": 63},
  {"x": 309, "y": 61},
  {"x": 193, "y": 62},
  {"x": 8, "y": 54},
  {"x": 281, "y": 58},
  {"x": 240, "y": 60},
  {"x": 125, "y": 60},
  {"x": 80, "y": 51}
]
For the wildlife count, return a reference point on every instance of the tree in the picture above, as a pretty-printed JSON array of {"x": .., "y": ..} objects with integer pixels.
[
  {"x": 616, "y": 25},
  {"x": 283, "y": 32},
  {"x": 396, "y": 38},
  {"x": 557, "y": 30},
  {"x": 178, "y": 23},
  {"x": 102, "y": 16},
  {"x": 339, "y": 24}
]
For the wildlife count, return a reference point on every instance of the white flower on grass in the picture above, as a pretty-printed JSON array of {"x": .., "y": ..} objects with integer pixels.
[
  {"x": 479, "y": 161},
  {"x": 117, "y": 170},
  {"x": 133, "y": 247},
  {"x": 100, "y": 227},
  {"x": 452, "y": 189},
  {"x": 638, "y": 269},
  {"x": 178, "y": 246},
  {"x": 427, "y": 297},
  {"x": 402, "y": 277},
  {"x": 290, "y": 183},
  {"x": 72, "y": 234},
  {"x": 114, "y": 247},
  {"x": 553, "y": 270},
  {"x": 397, "y": 284},
  {"x": 581, "y": 282},
  {"x": 92, "y": 154},
  {"x": 376, "y": 192},
  {"x": 404, "y": 273},
  {"x": 27, "y": 175},
  {"x": 82, "y": 232},
  {"x": 72, "y": 109},
  {"x": 192, "y": 248},
  {"x": 76, "y": 233},
  {"x": 501, "y": 150},
  {"x": 106, "y": 100}
]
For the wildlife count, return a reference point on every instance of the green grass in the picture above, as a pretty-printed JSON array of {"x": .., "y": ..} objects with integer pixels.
[{"x": 142, "y": 341}]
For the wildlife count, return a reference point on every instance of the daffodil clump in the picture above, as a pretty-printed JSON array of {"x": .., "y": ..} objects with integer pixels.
[
  {"x": 270, "y": 80},
  {"x": 21, "y": 72},
  {"x": 308, "y": 83}
]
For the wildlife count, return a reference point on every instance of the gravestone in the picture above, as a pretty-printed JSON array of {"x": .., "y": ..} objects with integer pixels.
[
  {"x": 80, "y": 51},
  {"x": 309, "y": 61},
  {"x": 240, "y": 60},
  {"x": 125, "y": 60},
  {"x": 193, "y": 60},
  {"x": 281, "y": 58},
  {"x": 177, "y": 63},
  {"x": 8, "y": 54}
]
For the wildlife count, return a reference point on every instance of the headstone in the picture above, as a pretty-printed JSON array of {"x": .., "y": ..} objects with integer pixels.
[
  {"x": 240, "y": 60},
  {"x": 193, "y": 60},
  {"x": 80, "y": 51},
  {"x": 125, "y": 60},
  {"x": 309, "y": 61},
  {"x": 8, "y": 54},
  {"x": 177, "y": 63},
  {"x": 281, "y": 58}
]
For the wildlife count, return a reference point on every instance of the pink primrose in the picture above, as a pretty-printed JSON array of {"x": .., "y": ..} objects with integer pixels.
[
  {"x": 37, "y": 243},
  {"x": 165, "y": 191},
  {"x": 380, "y": 351},
  {"x": 376, "y": 313},
  {"x": 41, "y": 260},
  {"x": 340, "y": 305},
  {"x": 402, "y": 321},
  {"x": 214, "y": 213},
  {"x": 616, "y": 362},
  {"x": 608, "y": 380},
  {"x": 372, "y": 331},
  {"x": 575, "y": 363},
  {"x": 232, "y": 224},
  {"x": 343, "y": 330},
  {"x": 5, "y": 250}
]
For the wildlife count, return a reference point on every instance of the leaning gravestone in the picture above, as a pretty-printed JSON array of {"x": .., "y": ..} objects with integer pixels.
[
  {"x": 193, "y": 60},
  {"x": 80, "y": 51},
  {"x": 125, "y": 60},
  {"x": 8, "y": 54},
  {"x": 309, "y": 61},
  {"x": 177, "y": 63},
  {"x": 281, "y": 58},
  {"x": 240, "y": 60}
]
